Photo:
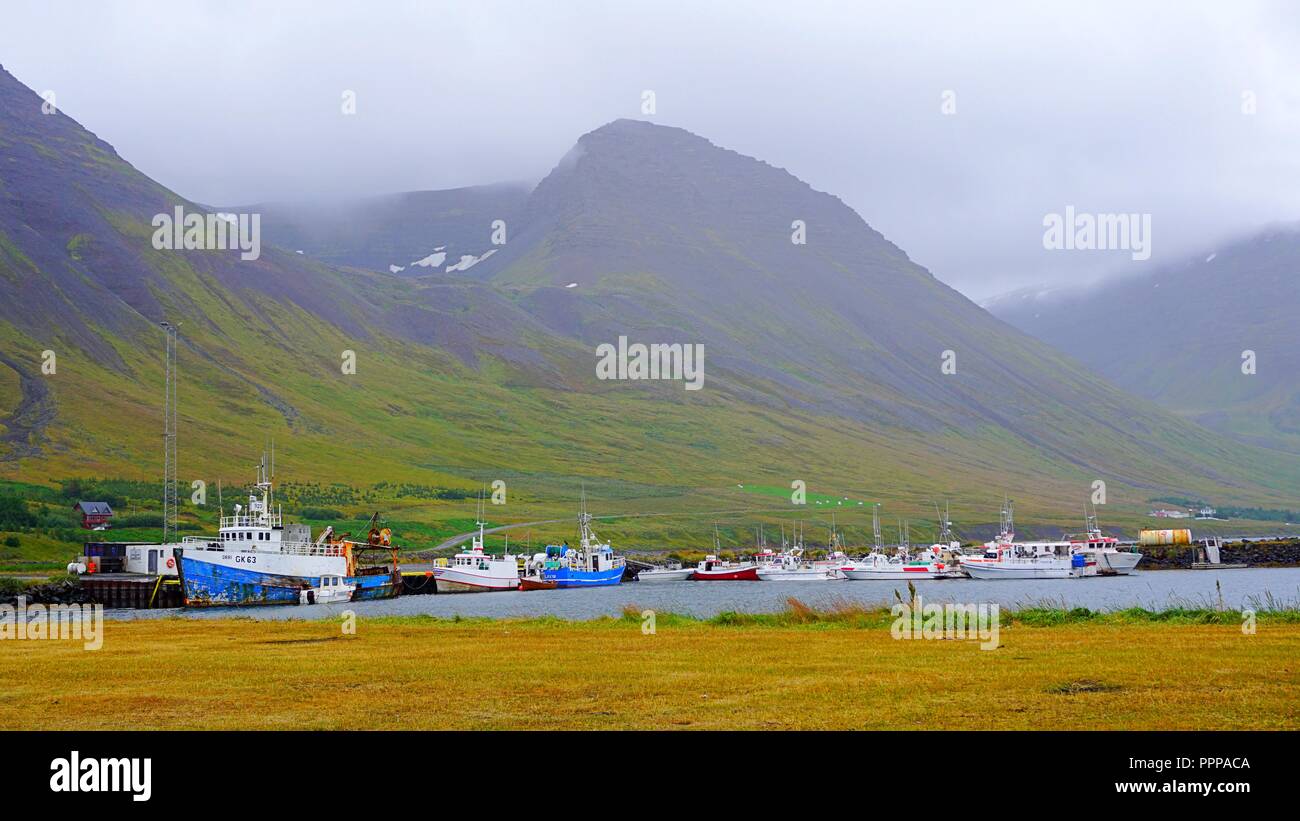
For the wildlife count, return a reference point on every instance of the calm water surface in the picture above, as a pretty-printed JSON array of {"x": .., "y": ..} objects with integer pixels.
[{"x": 1154, "y": 589}]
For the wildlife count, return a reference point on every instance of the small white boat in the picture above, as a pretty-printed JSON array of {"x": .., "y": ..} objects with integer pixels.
[
  {"x": 876, "y": 565},
  {"x": 665, "y": 574},
  {"x": 331, "y": 589}
]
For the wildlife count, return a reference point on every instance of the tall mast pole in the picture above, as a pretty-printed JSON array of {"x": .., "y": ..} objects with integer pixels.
[{"x": 170, "y": 502}]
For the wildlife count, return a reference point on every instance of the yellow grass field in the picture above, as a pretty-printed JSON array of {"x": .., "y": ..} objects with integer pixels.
[{"x": 407, "y": 674}]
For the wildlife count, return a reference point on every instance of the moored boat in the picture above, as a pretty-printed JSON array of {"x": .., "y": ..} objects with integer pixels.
[
  {"x": 665, "y": 574},
  {"x": 535, "y": 583},
  {"x": 591, "y": 564},
  {"x": 926, "y": 565},
  {"x": 713, "y": 569},
  {"x": 789, "y": 566},
  {"x": 256, "y": 558},
  {"x": 1102, "y": 554},
  {"x": 331, "y": 589},
  {"x": 475, "y": 571},
  {"x": 1027, "y": 560}
]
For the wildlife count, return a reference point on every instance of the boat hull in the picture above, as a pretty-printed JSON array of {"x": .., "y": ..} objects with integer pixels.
[
  {"x": 217, "y": 581},
  {"x": 655, "y": 576},
  {"x": 567, "y": 577},
  {"x": 1118, "y": 563},
  {"x": 992, "y": 570},
  {"x": 530, "y": 583},
  {"x": 454, "y": 580},
  {"x": 896, "y": 573},
  {"x": 800, "y": 575},
  {"x": 734, "y": 574}
]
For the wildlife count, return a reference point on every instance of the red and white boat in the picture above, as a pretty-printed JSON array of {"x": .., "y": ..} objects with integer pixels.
[{"x": 713, "y": 569}]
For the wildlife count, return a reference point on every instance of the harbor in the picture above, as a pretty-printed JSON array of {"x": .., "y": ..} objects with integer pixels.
[
  {"x": 258, "y": 560},
  {"x": 1235, "y": 589}
]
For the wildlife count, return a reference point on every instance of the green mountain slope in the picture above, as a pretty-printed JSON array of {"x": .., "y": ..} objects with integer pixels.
[{"x": 822, "y": 360}]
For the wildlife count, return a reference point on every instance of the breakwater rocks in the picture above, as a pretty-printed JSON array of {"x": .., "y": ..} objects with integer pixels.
[
  {"x": 61, "y": 591},
  {"x": 1279, "y": 553}
]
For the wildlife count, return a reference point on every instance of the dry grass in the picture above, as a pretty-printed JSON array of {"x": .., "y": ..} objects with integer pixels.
[{"x": 424, "y": 673}]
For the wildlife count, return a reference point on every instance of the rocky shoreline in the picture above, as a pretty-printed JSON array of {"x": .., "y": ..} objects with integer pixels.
[{"x": 1279, "y": 553}]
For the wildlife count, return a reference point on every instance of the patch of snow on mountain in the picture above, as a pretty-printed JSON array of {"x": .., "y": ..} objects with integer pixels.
[
  {"x": 468, "y": 261},
  {"x": 432, "y": 260}
]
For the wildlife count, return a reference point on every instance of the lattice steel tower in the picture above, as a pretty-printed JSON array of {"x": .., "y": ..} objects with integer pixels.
[{"x": 170, "y": 504}]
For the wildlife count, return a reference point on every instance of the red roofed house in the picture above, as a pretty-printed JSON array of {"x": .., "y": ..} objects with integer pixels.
[{"x": 94, "y": 515}]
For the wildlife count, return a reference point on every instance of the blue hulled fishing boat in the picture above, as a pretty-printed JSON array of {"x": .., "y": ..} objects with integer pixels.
[
  {"x": 256, "y": 558},
  {"x": 591, "y": 564}
]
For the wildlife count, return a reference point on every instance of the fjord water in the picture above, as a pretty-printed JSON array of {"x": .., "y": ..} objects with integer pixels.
[{"x": 1158, "y": 589}]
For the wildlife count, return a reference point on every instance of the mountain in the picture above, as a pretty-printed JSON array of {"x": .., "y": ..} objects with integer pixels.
[
  {"x": 822, "y": 358},
  {"x": 1177, "y": 335},
  {"x": 413, "y": 233}
]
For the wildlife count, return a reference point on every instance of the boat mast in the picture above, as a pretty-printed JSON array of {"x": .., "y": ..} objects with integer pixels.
[
  {"x": 478, "y": 516},
  {"x": 875, "y": 526},
  {"x": 945, "y": 524}
]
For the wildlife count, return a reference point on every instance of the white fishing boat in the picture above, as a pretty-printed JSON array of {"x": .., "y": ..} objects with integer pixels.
[
  {"x": 993, "y": 549},
  {"x": 935, "y": 561},
  {"x": 665, "y": 574},
  {"x": 1027, "y": 560},
  {"x": 1103, "y": 555},
  {"x": 330, "y": 589},
  {"x": 925, "y": 565},
  {"x": 475, "y": 571},
  {"x": 789, "y": 564}
]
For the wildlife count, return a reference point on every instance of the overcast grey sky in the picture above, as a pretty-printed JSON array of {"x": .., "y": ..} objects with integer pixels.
[{"x": 1110, "y": 107}]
